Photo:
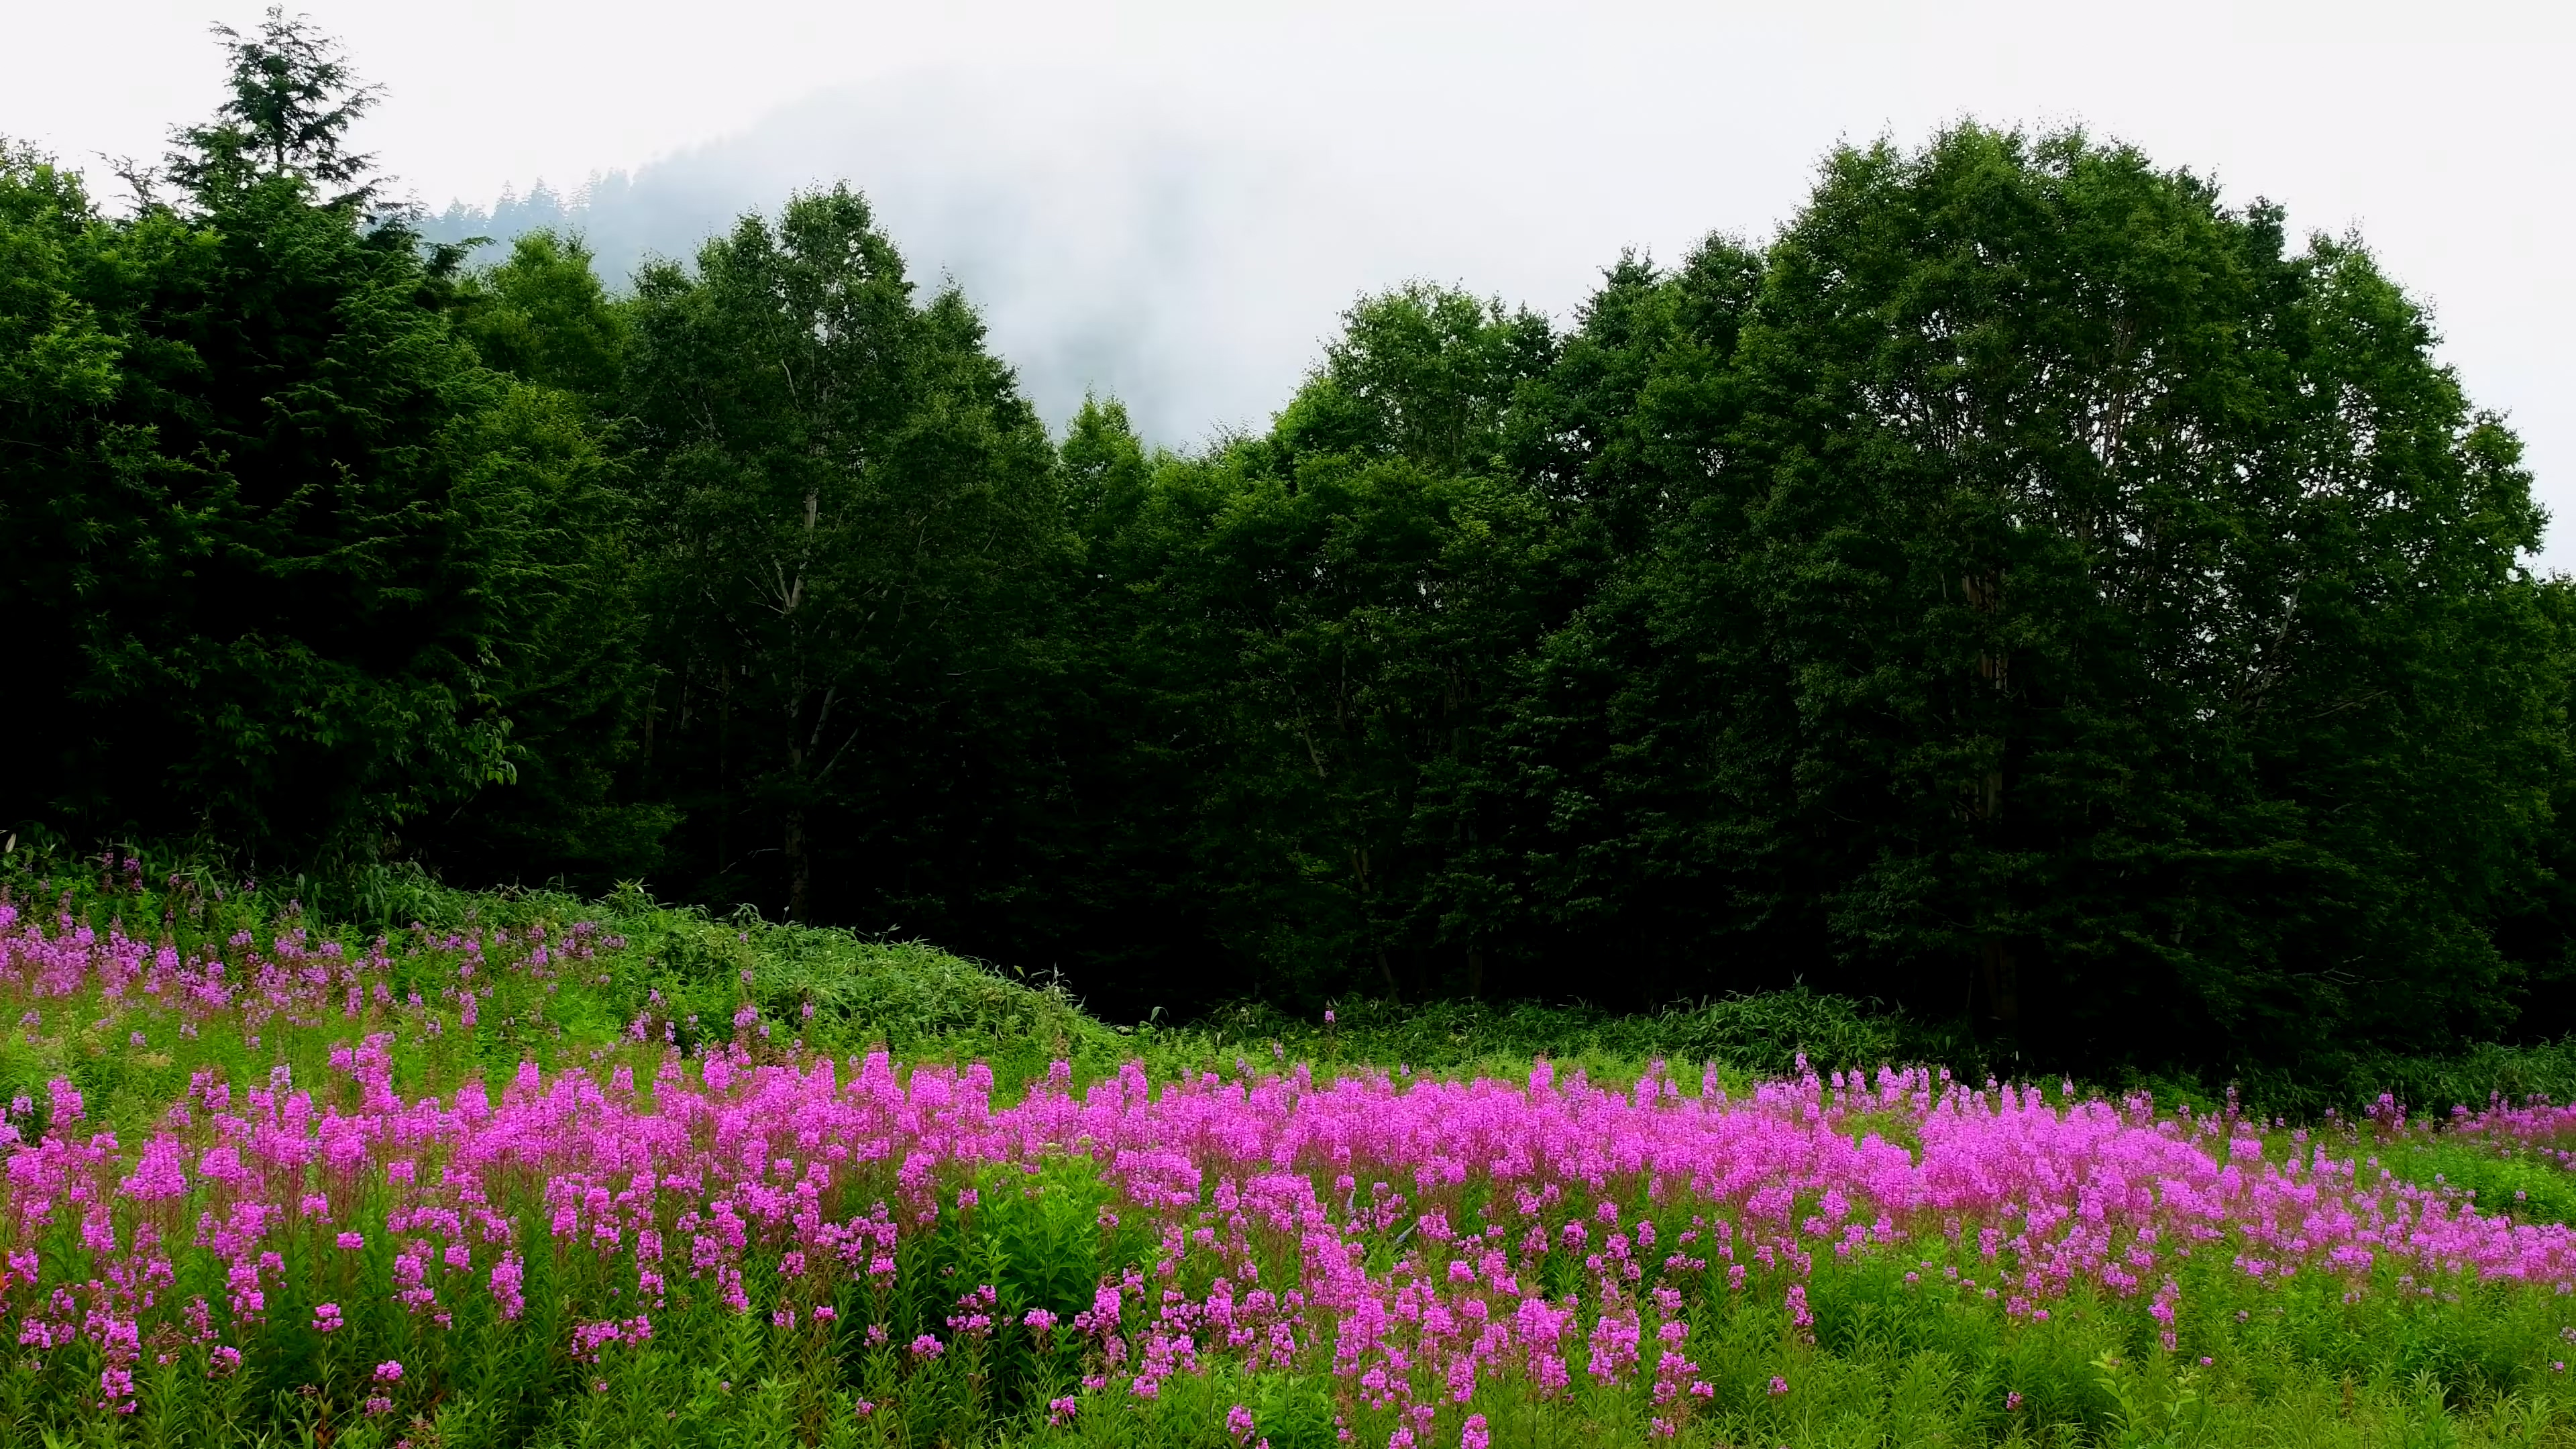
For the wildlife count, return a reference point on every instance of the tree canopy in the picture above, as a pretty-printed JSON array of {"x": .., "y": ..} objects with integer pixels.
[{"x": 2028, "y": 589}]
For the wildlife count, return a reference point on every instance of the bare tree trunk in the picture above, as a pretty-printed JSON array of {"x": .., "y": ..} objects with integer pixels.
[
  {"x": 1986, "y": 805},
  {"x": 2003, "y": 995},
  {"x": 1368, "y": 919},
  {"x": 800, "y": 873},
  {"x": 724, "y": 779}
]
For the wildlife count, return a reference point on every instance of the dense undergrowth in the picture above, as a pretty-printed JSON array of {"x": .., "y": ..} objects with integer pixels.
[
  {"x": 377, "y": 1162},
  {"x": 923, "y": 1003}
]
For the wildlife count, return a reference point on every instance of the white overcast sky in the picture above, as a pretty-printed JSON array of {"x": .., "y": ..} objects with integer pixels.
[{"x": 1173, "y": 201}]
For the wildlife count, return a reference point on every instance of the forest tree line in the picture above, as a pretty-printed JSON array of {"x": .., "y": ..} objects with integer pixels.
[{"x": 2028, "y": 588}]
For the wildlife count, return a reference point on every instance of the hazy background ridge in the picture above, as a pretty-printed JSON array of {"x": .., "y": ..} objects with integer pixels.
[{"x": 1117, "y": 254}]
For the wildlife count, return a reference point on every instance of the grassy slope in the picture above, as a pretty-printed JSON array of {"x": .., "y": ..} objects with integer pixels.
[
  {"x": 924, "y": 1004},
  {"x": 683, "y": 966}
]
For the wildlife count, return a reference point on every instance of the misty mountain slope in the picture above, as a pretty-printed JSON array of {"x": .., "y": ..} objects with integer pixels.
[{"x": 1114, "y": 249}]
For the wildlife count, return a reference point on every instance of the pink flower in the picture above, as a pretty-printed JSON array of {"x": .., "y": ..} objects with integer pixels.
[
  {"x": 1779, "y": 1386},
  {"x": 508, "y": 1276},
  {"x": 1238, "y": 1422},
  {"x": 389, "y": 1372}
]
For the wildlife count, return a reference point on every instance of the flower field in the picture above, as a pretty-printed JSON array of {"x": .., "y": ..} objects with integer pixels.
[{"x": 506, "y": 1184}]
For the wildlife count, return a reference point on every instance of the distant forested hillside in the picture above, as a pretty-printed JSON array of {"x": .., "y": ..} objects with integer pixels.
[{"x": 2030, "y": 590}]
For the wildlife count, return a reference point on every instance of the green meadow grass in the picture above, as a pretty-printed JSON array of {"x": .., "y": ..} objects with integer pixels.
[{"x": 1891, "y": 1362}]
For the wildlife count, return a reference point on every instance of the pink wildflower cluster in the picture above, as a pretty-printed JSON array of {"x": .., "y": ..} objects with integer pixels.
[
  {"x": 1415, "y": 1238},
  {"x": 292, "y": 978},
  {"x": 2540, "y": 1126}
]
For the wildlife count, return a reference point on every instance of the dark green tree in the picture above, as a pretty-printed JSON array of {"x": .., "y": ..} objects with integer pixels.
[
  {"x": 567, "y": 664},
  {"x": 544, "y": 315},
  {"x": 857, "y": 531},
  {"x": 2076, "y": 603},
  {"x": 1320, "y": 627},
  {"x": 279, "y": 533},
  {"x": 1606, "y": 800},
  {"x": 294, "y": 98}
]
